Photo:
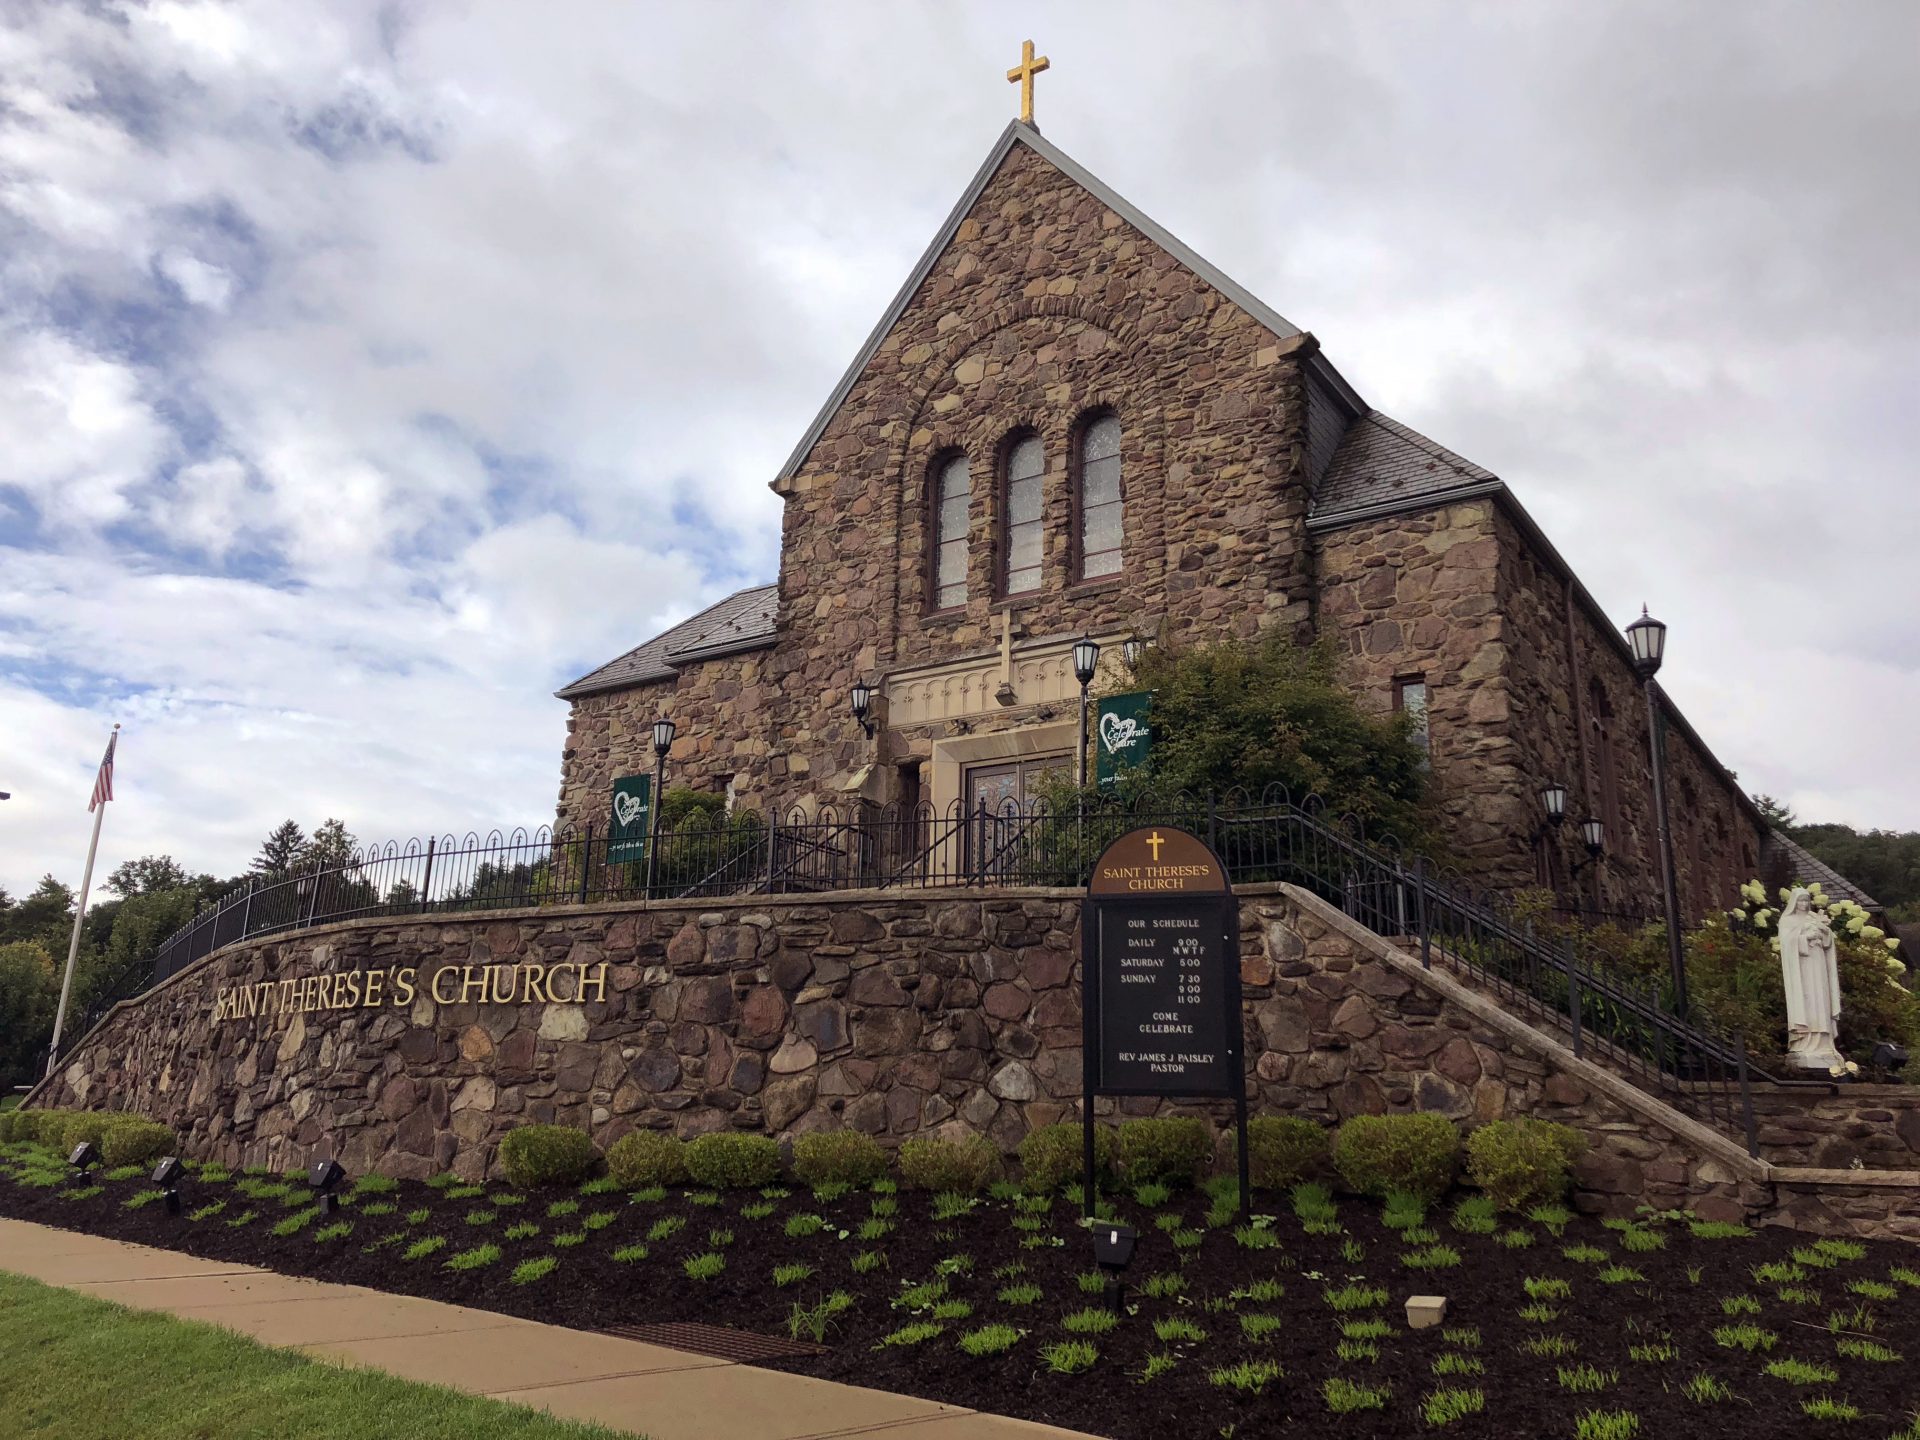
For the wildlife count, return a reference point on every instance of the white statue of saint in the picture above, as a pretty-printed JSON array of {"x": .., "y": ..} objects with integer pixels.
[{"x": 1810, "y": 966}]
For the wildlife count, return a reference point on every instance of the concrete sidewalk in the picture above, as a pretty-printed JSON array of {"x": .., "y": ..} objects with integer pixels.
[{"x": 661, "y": 1393}]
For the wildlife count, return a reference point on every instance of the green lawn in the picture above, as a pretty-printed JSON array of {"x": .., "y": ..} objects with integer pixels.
[
  {"x": 10, "y": 1102},
  {"x": 78, "y": 1369}
]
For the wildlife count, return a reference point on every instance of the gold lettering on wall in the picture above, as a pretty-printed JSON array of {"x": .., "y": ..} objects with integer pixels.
[{"x": 396, "y": 985}]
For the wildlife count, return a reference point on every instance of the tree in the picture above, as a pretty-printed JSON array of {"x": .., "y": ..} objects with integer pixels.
[
  {"x": 46, "y": 915},
  {"x": 1774, "y": 813},
  {"x": 283, "y": 849},
  {"x": 29, "y": 991},
  {"x": 148, "y": 874},
  {"x": 331, "y": 848}
]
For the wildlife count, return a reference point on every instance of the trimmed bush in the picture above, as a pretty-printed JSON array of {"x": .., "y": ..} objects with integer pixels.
[
  {"x": 39, "y": 1126},
  {"x": 1415, "y": 1153},
  {"x": 1171, "y": 1151},
  {"x": 7, "y": 1118},
  {"x": 733, "y": 1162},
  {"x": 85, "y": 1126},
  {"x": 838, "y": 1157},
  {"x": 135, "y": 1142},
  {"x": 646, "y": 1158},
  {"x": 963, "y": 1166},
  {"x": 1054, "y": 1155},
  {"x": 536, "y": 1155},
  {"x": 1283, "y": 1150},
  {"x": 1523, "y": 1163}
]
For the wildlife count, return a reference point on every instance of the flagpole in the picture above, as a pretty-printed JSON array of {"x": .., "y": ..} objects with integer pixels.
[{"x": 79, "y": 918}]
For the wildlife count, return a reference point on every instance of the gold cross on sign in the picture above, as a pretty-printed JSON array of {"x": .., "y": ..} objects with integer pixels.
[
  {"x": 1023, "y": 73},
  {"x": 1154, "y": 842}
]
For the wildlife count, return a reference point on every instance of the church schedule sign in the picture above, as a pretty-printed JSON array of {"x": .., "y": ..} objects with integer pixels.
[
  {"x": 1160, "y": 931},
  {"x": 631, "y": 823}
]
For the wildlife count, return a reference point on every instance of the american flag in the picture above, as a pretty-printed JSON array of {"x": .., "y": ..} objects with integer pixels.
[{"x": 103, "y": 782}]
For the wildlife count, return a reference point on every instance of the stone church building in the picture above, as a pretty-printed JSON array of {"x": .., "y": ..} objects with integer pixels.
[{"x": 1068, "y": 422}]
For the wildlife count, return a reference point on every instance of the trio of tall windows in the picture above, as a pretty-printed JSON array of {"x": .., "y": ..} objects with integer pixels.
[{"x": 1099, "y": 528}]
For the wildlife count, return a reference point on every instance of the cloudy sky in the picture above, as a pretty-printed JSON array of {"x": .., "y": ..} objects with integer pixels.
[{"x": 366, "y": 372}]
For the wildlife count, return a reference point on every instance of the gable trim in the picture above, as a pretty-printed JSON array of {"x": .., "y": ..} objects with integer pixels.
[{"x": 1018, "y": 132}]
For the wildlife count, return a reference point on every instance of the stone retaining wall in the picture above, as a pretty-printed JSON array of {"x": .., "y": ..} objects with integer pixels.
[
  {"x": 894, "y": 1014},
  {"x": 1871, "y": 1127}
]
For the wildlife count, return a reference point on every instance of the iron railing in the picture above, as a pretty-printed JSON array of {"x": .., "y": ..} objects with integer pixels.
[{"x": 1560, "y": 980}]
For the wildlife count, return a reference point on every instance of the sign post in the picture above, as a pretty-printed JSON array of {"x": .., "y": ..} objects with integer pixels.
[
  {"x": 631, "y": 823},
  {"x": 1122, "y": 739},
  {"x": 1160, "y": 951}
]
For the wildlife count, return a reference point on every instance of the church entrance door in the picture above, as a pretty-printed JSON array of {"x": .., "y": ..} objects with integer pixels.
[{"x": 998, "y": 798}]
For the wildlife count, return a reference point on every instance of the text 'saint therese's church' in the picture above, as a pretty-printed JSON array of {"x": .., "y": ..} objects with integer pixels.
[{"x": 1069, "y": 422}]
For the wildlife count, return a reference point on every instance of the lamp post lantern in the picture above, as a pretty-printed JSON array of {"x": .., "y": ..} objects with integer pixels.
[
  {"x": 1553, "y": 802},
  {"x": 1647, "y": 638},
  {"x": 663, "y": 730},
  {"x": 861, "y": 699},
  {"x": 1086, "y": 660},
  {"x": 1134, "y": 647}
]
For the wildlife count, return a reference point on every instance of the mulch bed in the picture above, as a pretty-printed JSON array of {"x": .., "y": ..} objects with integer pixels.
[{"x": 1678, "y": 1303}]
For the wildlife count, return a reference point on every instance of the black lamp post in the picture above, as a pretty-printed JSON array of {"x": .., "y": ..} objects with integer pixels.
[
  {"x": 1086, "y": 660},
  {"x": 1647, "y": 638},
  {"x": 1593, "y": 835},
  {"x": 862, "y": 699},
  {"x": 1553, "y": 805},
  {"x": 663, "y": 729}
]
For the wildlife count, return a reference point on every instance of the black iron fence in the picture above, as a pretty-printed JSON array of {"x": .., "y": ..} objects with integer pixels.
[{"x": 1559, "y": 980}]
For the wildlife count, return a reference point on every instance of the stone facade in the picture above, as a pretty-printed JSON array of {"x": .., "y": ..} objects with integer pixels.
[
  {"x": 1045, "y": 306},
  {"x": 893, "y": 1014}
]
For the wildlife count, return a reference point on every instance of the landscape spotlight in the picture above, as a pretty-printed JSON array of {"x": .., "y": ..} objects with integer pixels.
[
  {"x": 167, "y": 1176},
  {"x": 84, "y": 1157},
  {"x": 324, "y": 1177},
  {"x": 1889, "y": 1057},
  {"x": 1113, "y": 1252}
]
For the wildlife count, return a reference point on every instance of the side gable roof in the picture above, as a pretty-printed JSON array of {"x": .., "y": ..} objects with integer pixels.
[
  {"x": 1798, "y": 863},
  {"x": 742, "y": 621},
  {"x": 1020, "y": 133},
  {"x": 1381, "y": 462}
]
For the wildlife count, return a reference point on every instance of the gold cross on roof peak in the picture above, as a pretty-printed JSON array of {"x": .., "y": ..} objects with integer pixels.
[{"x": 1023, "y": 74}]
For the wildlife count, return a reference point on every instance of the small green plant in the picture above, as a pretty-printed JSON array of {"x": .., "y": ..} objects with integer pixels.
[
  {"x": 1432, "y": 1257},
  {"x": 1255, "y": 1237},
  {"x": 295, "y": 1222},
  {"x": 1555, "y": 1217},
  {"x": 1872, "y": 1290},
  {"x": 1454, "y": 1363},
  {"x": 813, "y": 1320},
  {"x": 665, "y": 1228},
  {"x": 1513, "y": 1239},
  {"x": 1640, "y": 1241},
  {"x": 831, "y": 1190},
  {"x": 1174, "y": 1329},
  {"x": 339, "y": 1230},
  {"x": 1352, "y": 1251},
  {"x": 1312, "y": 1202},
  {"x": 704, "y": 1266},
  {"x": 1851, "y": 1347},
  {"x": 1905, "y": 1276},
  {"x": 1091, "y": 1282},
  {"x": 1158, "y": 1364},
  {"x": 1152, "y": 1194},
  {"x": 245, "y": 1217},
  {"x": 1745, "y": 1336},
  {"x": 1704, "y": 1389},
  {"x": 1825, "y": 1407},
  {"x": 1164, "y": 1286},
  {"x": 474, "y": 1259},
  {"x": 377, "y": 1208},
  {"x": 1476, "y": 1215},
  {"x": 648, "y": 1195},
  {"x": 1403, "y": 1211},
  {"x": 1801, "y": 1372},
  {"x": 1261, "y": 1292},
  {"x": 524, "y": 1230},
  {"x": 598, "y": 1220},
  {"x": 140, "y": 1199},
  {"x": 1838, "y": 1250},
  {"x": 567, "y": 1239},
  {"x": 791, "y": 1274},
  {"x": 1584, "y": 1254},
  {"x": 1718, "y": 1230},
  {"x": 1091, "y": 1321},
  {"x": 1860, "y": 1319},
  {"x": 1777, "y": 1272},
  {"x": 479, "y": 1217},
  {"x": 1549, "y": 1347},
  {"x": 918, "y": 1333},
  {"x": 463, "y": 1192},
  {"x": 1188, "y": 1239},
  {"x": 1461, "y": 1337},
  {"x": 1606, "y": 1425},
  {"x": 628, "y": 1254},
  {"x": 208, "y": 1211},
  {"x": 874, "y": 1229},
  {"x": 1447, "y": 1405},
  {"x": 1371, "y": 1328},
  {"x": 989, "y": 1340},
  {"x": 420, "y": 1249},
  {"x": 1618, "y": 1275},
  {"x": 719, "y": 1239},
  {"x": 418, "y": 1217},
  {"x": 1739, "y": 1305},
  {"x": 757, "y": 1210},
  {"x": 1585, "y": 1379},
  {"x": 1025, "y": 1293},
  {"x": 528, "y": 1271},
  {"x": 1546, "y": 1288},
  {"x": 1348, "y": 1298},
  {"x": 1654, "y": 1352},
  {"x": 1258, "y": 1326},
  {"x": 1797, "y": 1295},
  {"x": 1249, "y": 1377},
  {"x": 559, "y": 1209},
  {"x": 1344, "y": 1396},
  {"x": 1069, "y": 1357},
  {"x": 868, "y": 1261},
  {"x": 1538, "y": 1312},
  {"x": 951, "y": 1205}
]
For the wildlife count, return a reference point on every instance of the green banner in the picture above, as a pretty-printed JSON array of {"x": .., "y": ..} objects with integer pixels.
[
  {"x": 1121, "y": 739},
  {"x": 632, "y": 820}
]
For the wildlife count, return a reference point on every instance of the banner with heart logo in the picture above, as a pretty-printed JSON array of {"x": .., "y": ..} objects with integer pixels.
[
  {"x": 632, "y": 821},
  {"x": 1122, "y": 738}
]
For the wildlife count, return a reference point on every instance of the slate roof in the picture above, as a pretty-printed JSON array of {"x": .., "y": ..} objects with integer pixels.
[
  {"x": 1798, "y": 864},
  {"x": 742, "y": 621},
  {"x": 1381, "y": 463}
]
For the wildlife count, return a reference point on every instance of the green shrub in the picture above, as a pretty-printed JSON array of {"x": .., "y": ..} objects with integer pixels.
[
  {"x": 535, "y": 1155},
  {"x": 1172, "y": 1151},
  {"x": 1054, "y": 1155},
  {"x": 838, "y": 1157},
  {"x": 136, "y": 1142},
  {"x": 1283, "y": 1150},
  {"x": 8, "y": 1118},
  {"x": 40, "y": 1126},
  {"x": 963, "y": 1167},
  {"x": 646, "y": 1158},
  {"x": 83, "y": 1127},
  {"x": 1523, "y": 1163},
  {"x": 733, "y": 1162},
  {"x": 1415, "y": 1153}
]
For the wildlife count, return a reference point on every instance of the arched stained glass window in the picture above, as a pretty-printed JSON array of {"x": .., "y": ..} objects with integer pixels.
[
  {"x": 1102, "y": 530},
  {"x": 1026, "y": 464},
  {"x": 952, "y": 494}
]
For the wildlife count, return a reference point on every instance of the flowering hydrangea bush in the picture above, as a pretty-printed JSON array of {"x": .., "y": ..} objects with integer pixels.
[{"x": 1849, "y": 919}]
